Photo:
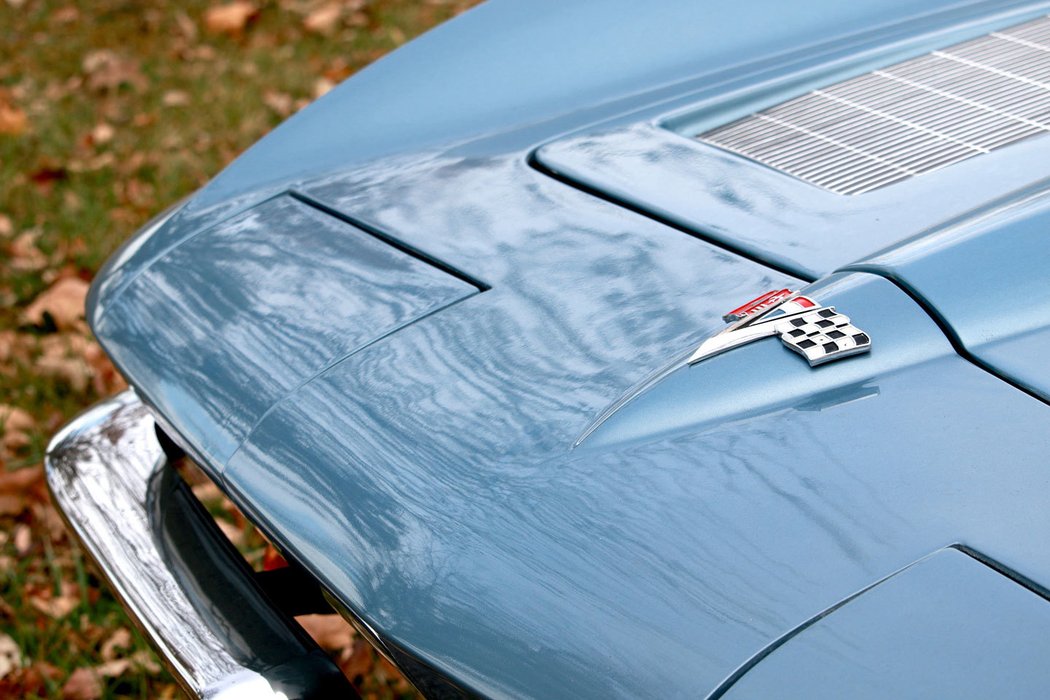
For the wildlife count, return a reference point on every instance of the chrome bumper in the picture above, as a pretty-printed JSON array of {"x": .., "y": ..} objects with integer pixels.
[{"x": 192, "y": 594}]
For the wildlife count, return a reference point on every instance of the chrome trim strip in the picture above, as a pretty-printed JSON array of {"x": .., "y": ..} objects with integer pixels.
[{"x": 109, "y": 477}]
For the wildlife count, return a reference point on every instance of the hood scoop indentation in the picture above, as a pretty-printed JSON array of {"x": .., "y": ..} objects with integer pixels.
[{"x": 907, "y": 119}]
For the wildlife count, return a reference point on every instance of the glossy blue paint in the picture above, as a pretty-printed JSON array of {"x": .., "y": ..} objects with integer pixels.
[
  {"x": 245, "y": 312},
  {"x": 987, "y": 281},
  {"x": 496, "y": 81},
  {"x": 413, "y": 442},
  {"x": 947, "y": 627},
  {"x": 468, "y": 530},
  {"x": 743, "y": 382},
  {"x": 798, "y": 227}
]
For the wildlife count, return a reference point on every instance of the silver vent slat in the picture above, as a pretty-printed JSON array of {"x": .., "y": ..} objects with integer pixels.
[{"x": 909, "y": 118}]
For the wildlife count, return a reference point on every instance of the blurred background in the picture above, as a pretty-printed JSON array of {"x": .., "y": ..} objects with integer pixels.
[{"x": 109, "y": 112}]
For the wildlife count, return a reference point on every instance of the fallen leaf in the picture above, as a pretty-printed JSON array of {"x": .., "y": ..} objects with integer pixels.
[
  {"x": 358, "y": 661},
  {"x": 114, "y": 668},
  {"x": 105, "y": 378},
  {"x": 230, "y": 18},
  {"x": 13, "y": 121},
  {"x": 107, "y": 71},
  {"x": 176, "y": 98},
  {"x": 10, "y": 655},
  {"x": 206, "y": 491},
  {"x": 137, "y": 193},
  {"x": 272, "y": 558},
  {"x": 102, "y": 160},
  {"x": 56, "y": 606},
  {"x": 83, "y": 684},
  {"x": 144, "y": 660},
  {"x": 29, "y": 681},
  {"x": 102, "y": 133},
  {"x": 15, "y": 425},
  {"x": 233, "y": 533},
  {"x": 23, "y": 254},
  {"x": 331, "y": 632},
  {"x": 9, "y": 345},
  {"x": 322, "y": 86},
  {"x": 11, "y": 504},
  {"x": 63, "y": 302},
  {"x": 63, "y": 357},
  {"x": 48, "y": 520},
  {"x": 23, "y": 539},
  {"x": 117, "y": 642},
  {"x": 20, "y": 481},
  {"x": 20, "y": 488},
  {"x": 186, "y": 26},
  {"x": 324, "y": 19},
  {"x": 48, "y": 174},
  {"x": 65, "y": 15},
  {"x": 280, "y": 102}
]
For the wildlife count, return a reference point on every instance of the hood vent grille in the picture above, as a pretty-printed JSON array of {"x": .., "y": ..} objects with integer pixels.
[{"x": 907, "y": 119}]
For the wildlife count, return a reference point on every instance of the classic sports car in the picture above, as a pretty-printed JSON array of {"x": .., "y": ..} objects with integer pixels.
[{"x": 453, "y": 338}]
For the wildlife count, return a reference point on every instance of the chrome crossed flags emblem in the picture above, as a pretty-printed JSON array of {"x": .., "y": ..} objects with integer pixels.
[{"x": 818, "y": 333}]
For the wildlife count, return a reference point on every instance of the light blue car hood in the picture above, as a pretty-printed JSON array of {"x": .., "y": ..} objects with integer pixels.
[{"x": 385, "y": 329}]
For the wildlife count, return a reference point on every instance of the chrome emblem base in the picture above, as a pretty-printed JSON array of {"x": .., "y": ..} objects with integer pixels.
[{"x": 818, "y": 333}]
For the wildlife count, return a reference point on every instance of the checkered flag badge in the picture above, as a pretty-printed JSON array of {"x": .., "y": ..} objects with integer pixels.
[{"x": 822, "y": 335}]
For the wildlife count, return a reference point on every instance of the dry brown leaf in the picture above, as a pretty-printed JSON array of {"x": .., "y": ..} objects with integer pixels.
[
  {"x": 56, "y": 606},
  {"x": 176, "y": 98},
  {"x": 48, "y": 520},
  {"x": 186, "y": 26},
  {"x": 65, "y": 365},
  {"x": 102, "y": 133},
  {"x": 83, "y": 684},
  {"x": 10, "y": 655},
  {"x": 144, "y": 660},
  {"x": 102, "y": 160},
  {"x": 117, "y": 642},
  {"x": 23, "y": 538},
  {"x": 107, "y": 71},
  {"x": 23, "y": 254},
  {"x": 11, "y": 504},
  {"x": 13, "y": 121},
  {"x": 114, "y": 668},
  {"x": 32, "y": 680},
  {"x": 324, "y": 19},
  {"x": 21, "y": 480},
  {"x": 230, "y": 18},
  {"x": 20, "y": 488},
  {"x": 322, "y": 86},
  {"x": 48, "y": 173},
  {"x": 105, "y": 378},
  {"x": 358, "y": 661},
  {"x": 9, "y": 346},
  {"x": 281, "y": 103},
  {"x": 140, "y": 661},
  {"x": 233, "y": 533},
  {"x": 206, "y": 491},
  {"x": 331, "y": 632},
  {"x": 63, "y": 302},
  {"x": 15, "y": 426},
  {"x": 65, "y": 15}
]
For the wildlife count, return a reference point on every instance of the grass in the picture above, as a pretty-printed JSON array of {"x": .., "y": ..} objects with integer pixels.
[{"x": 109, "y": 111}]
